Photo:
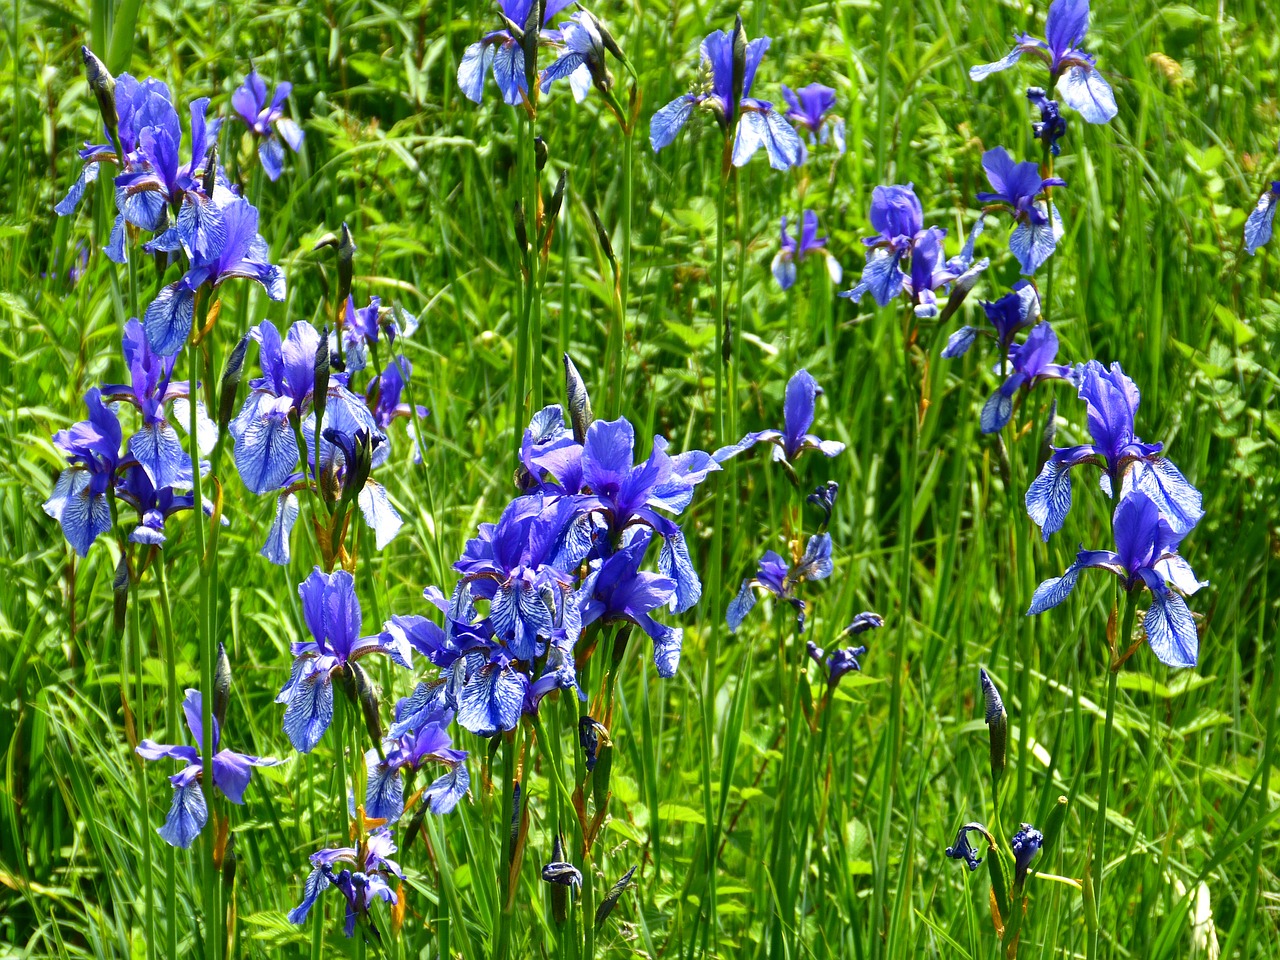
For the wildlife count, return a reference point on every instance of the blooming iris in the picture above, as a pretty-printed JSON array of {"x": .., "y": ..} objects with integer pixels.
[
  {"x": 794, "y": 438},
  {"x": 332, "y": 612},
  {"x": 1013, "y": 312},
  {"x": 1257, "y": 228},
  {"x": 267, "y": 121},
  {"x": 80, "y": 499},
  {"x": 1078, "y": 81},
  {"x": 1030, "y": 362},
  {"x": 239, "y": 251},
  {"x": 154, "y": 506},
  {"x": 618, "y": 591},
  {"x": 1037, "y": 223},
  {"x": 758, "y": 123},
  {"x": 231, "y": 772},
  {"x": 360, "y": 883},
  {"x": 1146, "y": 555},
  {"x": 266, "y": 449},
  {"x": 585, "y": 40},
  {"x": 776, "y": 577},
  {"x": 384, "y": 795},
  {"x": 809, "y": 109},
  {"x": 1112, "y": 402},
  {"x": 791, "y": 254},
  {"x": 501, "y": 52},
  {"x": 156, "y": 445},
  {"x": 901, "y": 239}
]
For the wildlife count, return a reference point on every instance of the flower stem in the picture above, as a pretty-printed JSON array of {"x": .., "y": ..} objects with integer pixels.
[
  {"x": 1104, "y": 767},
  {"x": 502, "y": 928},
  {"x": 174, "y": 736},
  {"x": 133, "y": 647},
  {"x": 214, "y": 934},
  {"x": 624, "y": 280}
]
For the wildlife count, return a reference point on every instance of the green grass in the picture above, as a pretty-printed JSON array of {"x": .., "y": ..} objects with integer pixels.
[{"x": 830, "y": 839}]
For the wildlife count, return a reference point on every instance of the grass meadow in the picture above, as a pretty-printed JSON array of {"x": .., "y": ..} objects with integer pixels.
[{"x": 768, "y": 813}]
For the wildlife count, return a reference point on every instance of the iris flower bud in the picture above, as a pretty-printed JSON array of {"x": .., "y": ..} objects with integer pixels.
[
  {"x": 997, "y": 726},
  {"x": 221, "y": 685},
  {"x": 739, "y": 64},
  {"x": 579, "y": 400},
  {"x": 211, "y": 169},
  {"x": 561, "y": 875},
  {"x": 367, "y": 695},
  {"x": 103, "y": 86},
  {"x": 231, "y": 374},
  {"x": 611, "y": 898},
  {"x": 540, "y": 153},
  {"x": 1026, "y": 844},
  {"x": 321, "y": 367},
  {"x": 120, "y": 590}
]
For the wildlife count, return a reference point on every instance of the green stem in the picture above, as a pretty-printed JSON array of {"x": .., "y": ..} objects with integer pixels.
[
  {"x": 1104, "y": 766},
  {"x": 214, "y": 934},
  {"x": 502, "y": 925},
  {"x": 722, "y": 311},
  {"x": 133, "y": 642},
  {"x": 175, "y": 736},
  {"x": 624, "y": 281}
]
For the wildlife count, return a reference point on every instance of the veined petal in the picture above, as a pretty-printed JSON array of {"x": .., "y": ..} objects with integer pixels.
[
  {"x": 379, "y": 514},
  {"x": 784, "y": 270},
  {"x": 1171, "y": 630},
  {"x": 996, "y": 411},
  {"x": 67, "y": 205},
  {"x": 751, "y": 135},
  {"x": 276, "y": 549},
  {"x": 1084, "y": 90},
  {"x": 983, "y": 70},
  {"x": 310, "y": 711},
  {"x": 1032, "y": 244},
  {"x": 740, "y": 606},
  {"x": 84, "y": 515},
  {"x": 187, "y": 816},
  {"x": 668, "y": 121},
  {"x": 316, "y": 884},
  {"x": 266, "y": 450},
  {"x": 167, "y": 320},
  {"x": 445, "y": 792},
  {"x": 958, "y": 343},
  {"x": 1053, "y": 591},
  {"x": 271, "y": 156},
  {"x": 508, "y": 71},
  {"x": 476, "y": 61},
  {"x": 384, "y": 793},
  {"x": 1257, "y": 229},
  {"x": 1048, "y": 499},
  {"x": 157, "y": 448},
  {"x": 492, "y": 700}
]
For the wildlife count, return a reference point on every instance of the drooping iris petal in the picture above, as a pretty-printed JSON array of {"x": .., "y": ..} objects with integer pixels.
[
  {"x": 1171, "y": 630},
  {"x": 1087, "y": 92},
  {"x": 384, "y": 792},
  {"x": 316, "y": 884},
  {"x": 310, "y": 711},
  {"x": 493, "y": 699},
  {"x": 187, "y": 816},
  {"x": 668, "y": 121},
  {"x": 1033, "y": 243},
  {"x": 445, "y": 791},
  {"x": 157, "y": 448},
  {"x": 1048, "y": 499},
  {"x": 1054, "y": 590},
  {"x": 276, "y": 548},
  {"x": 266, "y": 450},
  {"x": 379, "y": 514}
]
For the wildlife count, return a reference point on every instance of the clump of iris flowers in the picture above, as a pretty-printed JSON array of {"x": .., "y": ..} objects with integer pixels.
[
  {"x": 363, "y": 878},
  {"x": 809, "y": 108},
  {"x": 779, "y": 578}
]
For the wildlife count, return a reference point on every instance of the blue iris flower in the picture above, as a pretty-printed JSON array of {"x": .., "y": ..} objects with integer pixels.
[
  {"x": 759, "y": 124},
  {"x": 162, "y": 403},
  {"x": 188, "y": 812},
  {"x": 845, "y": 659},
  {"x": 798, "y": 407},
  {"x": 266, "y": 450},
  {"x": 265, "y": 118},
  {"x": 618, "y": 591},
  {"x": 1146, "y": 556},
  {"x": 430, "y": 744},
  {"x": 779, "y": 578},
  {"x": 239, "y": 251},
  {"x": 80, "y": 501},
  {"x": 791, "y": 253},
  {"x": 1075, "y": 72},
  {"x": 902, "y": 241},
  {"x": 810, "y": 109},
  {"x": 139, "y": 106},
  {"x": 154, "y": 506},
  {"x": 362, "y": 880},
  {"x": 1012, "y": 313},
  {"x": 1257, "y": 228},
  {"x": 1017, "y": 187},
  {"x": 500, "y": 52},
  {"x": 332, "y": 613},
  {"x": 1112, "y": 400},
  {"x": 1029, "y": 363}
]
